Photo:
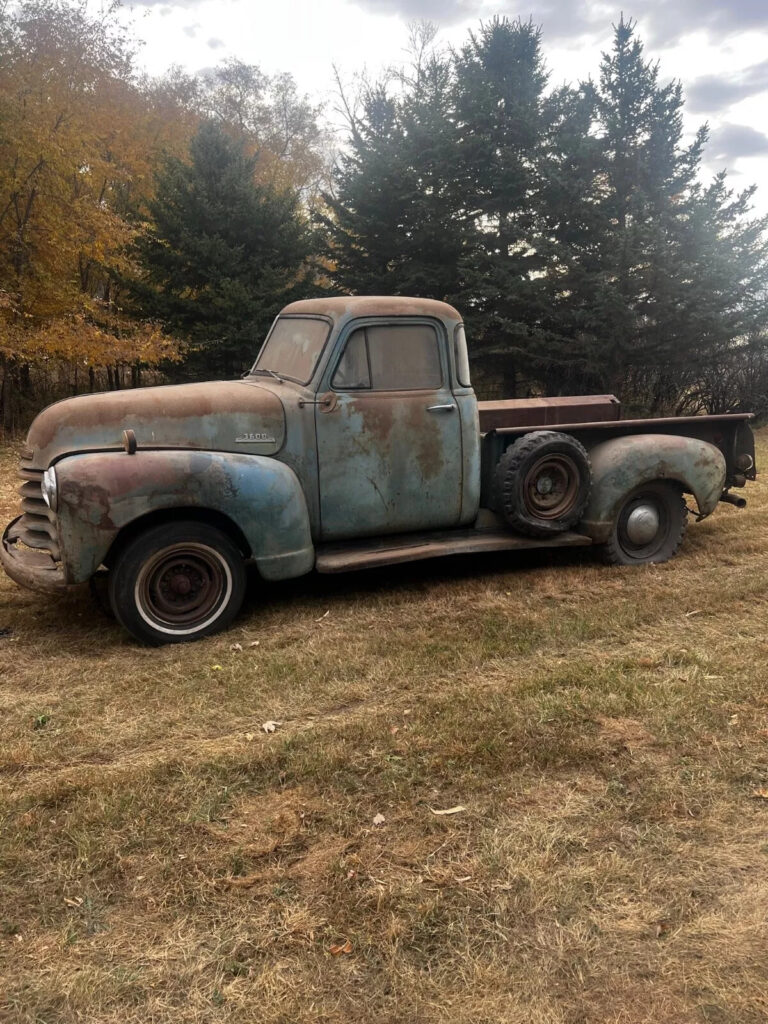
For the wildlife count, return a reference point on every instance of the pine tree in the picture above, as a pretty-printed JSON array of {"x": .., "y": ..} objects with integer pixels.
[
  {"x": 663, "y": 275},
  {"x": 395, "y": 222},
  {"x": 364, "y": 222},
  {"x": 222, "y": 253},
  {"x": 500, "y": 81}
]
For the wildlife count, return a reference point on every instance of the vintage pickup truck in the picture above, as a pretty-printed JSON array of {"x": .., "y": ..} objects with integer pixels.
[{"x": 356, "y": 440}]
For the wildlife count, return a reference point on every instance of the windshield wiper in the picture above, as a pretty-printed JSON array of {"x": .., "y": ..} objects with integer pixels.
[{"x": 272, "y": 373}]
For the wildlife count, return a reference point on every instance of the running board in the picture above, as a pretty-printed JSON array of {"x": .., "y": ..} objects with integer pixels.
[{"x": 370, "y": 553}]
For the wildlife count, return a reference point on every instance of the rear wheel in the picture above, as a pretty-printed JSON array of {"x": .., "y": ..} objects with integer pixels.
[
  {"x": 649, "y": 527},
  {"x": 177, "y": 582}
]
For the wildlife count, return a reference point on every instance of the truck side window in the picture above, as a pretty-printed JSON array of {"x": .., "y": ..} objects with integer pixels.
[
  {"x": 404, "y": 357},
  {"x": 390, "y": 357},
  {"x": 352, "y": 371}
]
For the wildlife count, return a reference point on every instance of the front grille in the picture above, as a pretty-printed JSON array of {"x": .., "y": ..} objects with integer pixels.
[{"x": 37, "y": 526}]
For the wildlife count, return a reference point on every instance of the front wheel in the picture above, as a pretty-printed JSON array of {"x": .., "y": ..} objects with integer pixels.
[
  {"x": 649, "y": 527},
  {"x": 177, "y": 582}
]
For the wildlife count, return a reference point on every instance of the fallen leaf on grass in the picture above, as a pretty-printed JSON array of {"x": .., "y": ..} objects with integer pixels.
[
  {"x": 270, "y": 726},
  {"x": 450, "y": 810},
  {"x": 236, "y": 647},
  {"x": 379, "y": 819},
  {"x": 217, "y": 668},
  {"x": 345, "y": 947},
  {"x": 254, "y": 643},
  {"x": 250, "y": 736},
  {"x": 761, "y": 793},
  {"x": 733, "y": 720}
]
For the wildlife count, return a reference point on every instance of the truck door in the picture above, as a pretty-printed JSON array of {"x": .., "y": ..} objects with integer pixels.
[{"x": 389, "y": 437}]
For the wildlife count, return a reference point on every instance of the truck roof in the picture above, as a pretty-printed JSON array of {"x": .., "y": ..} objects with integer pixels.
[{"x": 342, "y": 306}]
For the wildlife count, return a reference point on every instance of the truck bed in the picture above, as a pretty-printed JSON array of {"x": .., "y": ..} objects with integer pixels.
[{"x": 547, "y": 412}]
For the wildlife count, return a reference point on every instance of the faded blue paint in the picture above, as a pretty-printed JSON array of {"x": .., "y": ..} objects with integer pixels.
[
  {"x": 102, "y": 493},
  {"x": 470, "y": 447},
  {"x": 229, "y": 416},
  {"x": 389, "y": 462},
  {"x": 624, "y": 463}
]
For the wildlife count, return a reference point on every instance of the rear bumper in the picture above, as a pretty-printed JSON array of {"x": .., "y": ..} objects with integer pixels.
[{"x": 33, "y": 569}]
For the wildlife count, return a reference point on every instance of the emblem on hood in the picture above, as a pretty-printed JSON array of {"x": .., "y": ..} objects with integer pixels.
[{"x": 254, "y": 439}]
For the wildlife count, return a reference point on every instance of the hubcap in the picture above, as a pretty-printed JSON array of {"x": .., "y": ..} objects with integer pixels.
[
  {"x": 183, "y": 588},
  {"x": 642, "y": 524}
]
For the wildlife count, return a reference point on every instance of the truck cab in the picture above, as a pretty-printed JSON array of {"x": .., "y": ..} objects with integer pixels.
[
  {"x": 355, "y": 440},
  {"x": 395, "y": 434}
]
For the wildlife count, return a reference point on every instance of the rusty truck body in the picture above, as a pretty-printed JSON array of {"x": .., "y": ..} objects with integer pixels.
[{"x": 356, "y": 440}]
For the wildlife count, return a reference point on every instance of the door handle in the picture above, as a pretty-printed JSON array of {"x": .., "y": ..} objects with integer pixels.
[{"x": 441, "y": 408}]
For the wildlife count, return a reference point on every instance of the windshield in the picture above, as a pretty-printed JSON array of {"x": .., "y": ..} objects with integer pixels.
[{"x": 293, "y": 348}]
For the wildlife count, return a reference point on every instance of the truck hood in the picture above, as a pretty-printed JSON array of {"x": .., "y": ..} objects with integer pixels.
[{"x": 227, "y": 416}]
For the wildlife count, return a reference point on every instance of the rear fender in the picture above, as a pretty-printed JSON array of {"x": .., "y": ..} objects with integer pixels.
[
  {"x": 624, "y": 463},
  {"x": 102, "y": 493}
]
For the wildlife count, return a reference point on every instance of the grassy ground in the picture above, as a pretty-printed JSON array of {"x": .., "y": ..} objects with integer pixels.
[{"x": 163, "y": 859}]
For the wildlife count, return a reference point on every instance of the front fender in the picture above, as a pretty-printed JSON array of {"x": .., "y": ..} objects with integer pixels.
[
  {"x": 100, "y": 493},
  {"x": 624, "y": 463}
]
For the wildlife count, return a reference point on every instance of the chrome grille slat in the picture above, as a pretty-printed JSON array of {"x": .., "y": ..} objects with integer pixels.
[
  {"x": 34, "y": 507},
  {"x": 37, "y": 527}
]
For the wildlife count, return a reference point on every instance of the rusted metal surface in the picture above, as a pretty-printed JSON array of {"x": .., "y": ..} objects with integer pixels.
[
  {"x": 387, "y": 464},
  {"x": 230, "y": 416},
  {"x": 35, "y": 570},
  {"x": 621, "y": 464},
  {"x": 102, "y": 492},
  {"x": 730, "y": 433},
  {"x": 36, "y": 528},
  {"x": 392, "y": 461},
  {"x": 656, "y": 425},
  {"x": 547, "y": 412},
  {"x": 346, "y": 307},
  {"x": 416, "y": 547}
]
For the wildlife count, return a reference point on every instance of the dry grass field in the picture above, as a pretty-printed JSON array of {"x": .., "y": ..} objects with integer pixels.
[{"x": 164, "y": 859}]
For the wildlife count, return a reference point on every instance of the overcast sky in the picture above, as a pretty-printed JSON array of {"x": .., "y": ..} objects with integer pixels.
[{"x": 718, "y": 48}]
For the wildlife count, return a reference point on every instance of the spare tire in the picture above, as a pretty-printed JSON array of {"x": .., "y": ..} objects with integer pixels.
[{"x": 542, "y": 483}]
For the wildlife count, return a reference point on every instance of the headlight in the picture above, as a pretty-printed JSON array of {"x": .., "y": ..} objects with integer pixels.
[{"x": 50, "y": 489}]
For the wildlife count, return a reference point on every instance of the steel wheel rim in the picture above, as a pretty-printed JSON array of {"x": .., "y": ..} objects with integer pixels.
[
  {"x": 551, "y": 487},
  {"x": 640, "y": 549},
  {"x": 183, "y": 588}
]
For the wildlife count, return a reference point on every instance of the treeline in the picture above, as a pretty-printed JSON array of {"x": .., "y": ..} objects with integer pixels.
[
  {"x": 85, "y": 144},
  {"x": 151, "y": 228},
  {"x": 569, "y": 225}
]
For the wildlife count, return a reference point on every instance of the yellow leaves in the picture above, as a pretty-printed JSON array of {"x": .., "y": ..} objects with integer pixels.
[
  {"x": 76, "y": 339},
  {"x": 78, "y": 148}
]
